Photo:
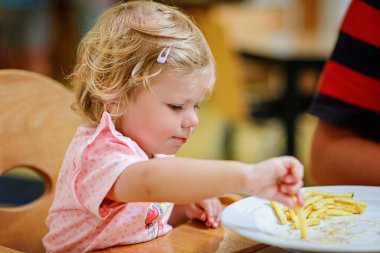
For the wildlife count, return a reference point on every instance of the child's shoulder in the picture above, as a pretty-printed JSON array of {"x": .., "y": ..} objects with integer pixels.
[{"x": 104, "y": 137}]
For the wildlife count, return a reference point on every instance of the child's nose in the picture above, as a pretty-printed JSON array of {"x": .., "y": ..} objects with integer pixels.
[{"x": 191, "y": 120}]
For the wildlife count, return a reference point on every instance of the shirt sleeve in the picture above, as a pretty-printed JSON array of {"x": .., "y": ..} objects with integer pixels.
[
  {"x": 101, "y": 163},
  {"x": 349, "y": 87}
]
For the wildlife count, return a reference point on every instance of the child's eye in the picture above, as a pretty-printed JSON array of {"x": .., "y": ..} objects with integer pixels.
[{"x": 175, "y": 107}]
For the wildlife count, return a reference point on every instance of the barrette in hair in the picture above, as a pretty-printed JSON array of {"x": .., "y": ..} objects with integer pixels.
[{"x": 161, "y": 57}]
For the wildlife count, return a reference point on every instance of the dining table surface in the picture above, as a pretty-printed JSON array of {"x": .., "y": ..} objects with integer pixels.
[{"x": 194, "y": 237}]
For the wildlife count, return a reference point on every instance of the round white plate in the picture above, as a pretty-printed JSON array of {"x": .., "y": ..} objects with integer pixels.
[{"x": 254, "y": 219}]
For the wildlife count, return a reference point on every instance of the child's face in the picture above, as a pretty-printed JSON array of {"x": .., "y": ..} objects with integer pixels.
[{"x": 161, "y": 120}]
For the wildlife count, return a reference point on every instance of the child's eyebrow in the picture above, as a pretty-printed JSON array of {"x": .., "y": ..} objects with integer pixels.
[{"x": 196, "y": 101}]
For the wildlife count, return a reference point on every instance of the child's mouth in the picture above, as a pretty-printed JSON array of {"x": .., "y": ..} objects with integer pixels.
[{"x": 181, "y": 140}]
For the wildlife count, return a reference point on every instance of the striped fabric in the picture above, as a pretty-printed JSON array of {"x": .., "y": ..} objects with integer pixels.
[{"x": 349, "y": 88}]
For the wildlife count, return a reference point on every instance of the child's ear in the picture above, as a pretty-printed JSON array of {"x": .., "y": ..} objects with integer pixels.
[
  {"x": 110, "y": 107},
  {"x": 115, "y": 108}
]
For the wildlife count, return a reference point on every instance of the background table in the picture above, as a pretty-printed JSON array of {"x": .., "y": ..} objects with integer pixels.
[{"x": 258, "y": 35}]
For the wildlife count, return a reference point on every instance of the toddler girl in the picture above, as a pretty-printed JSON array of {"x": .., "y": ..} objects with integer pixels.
[{"x": 142, "y": 72}]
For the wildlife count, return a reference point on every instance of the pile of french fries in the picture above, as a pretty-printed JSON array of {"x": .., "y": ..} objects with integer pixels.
[{"x": 318, "y": 205}]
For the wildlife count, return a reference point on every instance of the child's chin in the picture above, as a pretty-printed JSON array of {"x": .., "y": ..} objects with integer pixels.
[
  {"x": 172, "y": 152},
  {"x": 168, "y": 152}
]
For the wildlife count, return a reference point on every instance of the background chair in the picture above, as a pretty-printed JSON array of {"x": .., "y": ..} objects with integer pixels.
[
  {"x": 36, "y": 126},
  {"x": 226, "y": 108}
]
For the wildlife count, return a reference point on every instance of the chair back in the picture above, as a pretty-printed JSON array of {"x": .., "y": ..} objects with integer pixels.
[{"x": 36, "y": 127}]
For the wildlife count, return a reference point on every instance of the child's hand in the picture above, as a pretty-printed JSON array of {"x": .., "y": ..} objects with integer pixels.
[
  {"x": 277, "y": 179},
  {"x": 208, "y": 211}
]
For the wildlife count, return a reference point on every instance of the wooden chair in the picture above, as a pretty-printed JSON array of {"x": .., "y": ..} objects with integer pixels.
[
  {"x": 36, "y": 127},
  {"x": 229, "y": 92}
]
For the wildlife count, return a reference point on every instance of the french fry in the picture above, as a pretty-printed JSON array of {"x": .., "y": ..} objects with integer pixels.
[
  {"x": 287, "y": 214},
  {"x": 307, "y": 194},
  {"x": 348, "y": 208},
  {"x": 351, "y": 201},
  {"x": 312, "y": 200},
  {"x": 318, "y": 205},
  {"x": 318, "y": 212},
  {"x": 293, "y": 216},
  {"x": 310, "y": 192},
  {"x": 335, "y": 212},
  {"x": 360, "y": 209},
  {"x": 308, "y": 210},
  {"x": 279, "y": 212},
  {"x": 301, "y": 219},
  {"x": 309, "y": 222},
  {"x": 312, "y": 222}
]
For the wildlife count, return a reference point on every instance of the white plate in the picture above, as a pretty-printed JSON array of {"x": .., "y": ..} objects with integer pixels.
[{"x": 254, "y": 219}]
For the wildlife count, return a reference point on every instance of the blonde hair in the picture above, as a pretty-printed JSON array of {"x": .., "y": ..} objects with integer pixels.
[{"x": 120, "y": 52}]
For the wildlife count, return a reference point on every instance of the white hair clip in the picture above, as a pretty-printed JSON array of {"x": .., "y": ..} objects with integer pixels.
[{"x": 162, "y": 58}]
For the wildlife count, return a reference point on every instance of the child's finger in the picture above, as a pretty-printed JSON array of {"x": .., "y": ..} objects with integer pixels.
[
  {"x": 197, "y": 213},
  {"x": 296, "y": 169},
  {"x": 211, "y": 208},
  {"x": 289, "y": 179},
  {"x": 300, "y": 199},
  {"x": 217, "y": 208},
  {"x": 210, "y": 214},
  {"x": 219, "y": 214},
  {"x": 285, "y": 199},
  {"x": 290, "y": 189},
  {"x": 220, "y": 209}
]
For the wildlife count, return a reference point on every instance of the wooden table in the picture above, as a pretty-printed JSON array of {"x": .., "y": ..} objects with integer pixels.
[
  {"x": 194, "y": 237},
  {"x": 8, "y": 250}
]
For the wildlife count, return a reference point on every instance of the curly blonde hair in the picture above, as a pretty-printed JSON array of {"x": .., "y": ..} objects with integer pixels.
[{"x": 120, "y": 53}]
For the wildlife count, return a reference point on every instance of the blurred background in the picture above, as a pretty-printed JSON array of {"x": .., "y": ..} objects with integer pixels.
[{"x": 269, "y": 55}]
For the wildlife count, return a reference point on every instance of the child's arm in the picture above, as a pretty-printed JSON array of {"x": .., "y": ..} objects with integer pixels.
[{"x": 185, "y": 180}]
